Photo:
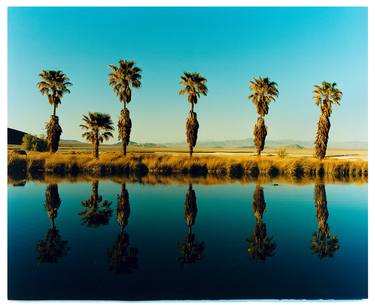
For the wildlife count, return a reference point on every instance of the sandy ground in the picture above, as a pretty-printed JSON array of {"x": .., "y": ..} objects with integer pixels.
[{"x": 332, "y": 153}]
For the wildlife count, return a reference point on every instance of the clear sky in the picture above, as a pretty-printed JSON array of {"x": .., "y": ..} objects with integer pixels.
[{"x": 296, "y": 47}]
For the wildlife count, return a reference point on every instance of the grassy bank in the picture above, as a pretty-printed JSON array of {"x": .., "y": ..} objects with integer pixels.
[{"x": 167, "y": 164}]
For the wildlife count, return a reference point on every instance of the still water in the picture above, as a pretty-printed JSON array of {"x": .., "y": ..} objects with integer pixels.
[{"x": 107, "y": 240}]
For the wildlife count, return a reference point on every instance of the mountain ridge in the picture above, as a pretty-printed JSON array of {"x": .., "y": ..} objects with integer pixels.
[{"x": 15, "y": 137}]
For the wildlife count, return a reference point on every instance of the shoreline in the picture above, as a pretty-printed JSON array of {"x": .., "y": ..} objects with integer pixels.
[{"x": 199, "y": 165}]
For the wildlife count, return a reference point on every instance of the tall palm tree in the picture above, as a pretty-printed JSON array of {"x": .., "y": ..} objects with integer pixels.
[
  {"x": 323, "y": 243},
  {"x": 260, "y": 245},
  {"x": 193, "y": 85},
  {"x": 264, "y": 91},
  {"x": 191, "y": 251},
  {"x": 97, "y": 211},
  {"x": 54, "y": 84},
  {"x": 122, "y": 79},
  {"x": 53, "y": 247},
  {"x": 98, "y": 128},
  {"x": 123, "y": 258},
  {"x": 325, "y": 96}
]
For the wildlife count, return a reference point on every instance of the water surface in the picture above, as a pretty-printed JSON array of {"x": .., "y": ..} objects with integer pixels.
[{"x": 131, "y": 241}]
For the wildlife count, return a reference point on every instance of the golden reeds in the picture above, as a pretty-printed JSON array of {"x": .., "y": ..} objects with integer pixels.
[{"x": 111, "y": 163}]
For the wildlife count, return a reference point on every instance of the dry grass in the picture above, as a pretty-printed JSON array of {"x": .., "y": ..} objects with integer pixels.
[{"x": 112, "y": 163}]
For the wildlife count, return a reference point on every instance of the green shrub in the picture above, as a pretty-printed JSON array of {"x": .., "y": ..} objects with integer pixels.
[{"x": 34, "y": 143}]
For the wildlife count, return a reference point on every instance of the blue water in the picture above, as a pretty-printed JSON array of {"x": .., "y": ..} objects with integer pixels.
[{"x": 76, "y": 264}]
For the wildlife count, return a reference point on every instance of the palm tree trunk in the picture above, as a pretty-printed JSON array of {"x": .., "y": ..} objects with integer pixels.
[
  {"x": 192, "y": 127},
  {"x": 124, "y": 128},
  {"x": 321, "y": 140},
  {"x": 53, "y": 134},
  {"x": 124, "y": 148},
  {"x": 96, "y": 149},
  {"x": 95, "y": 190},
  {"x": 260, "y": 133},
  {"x": 54, "y": 110},
  {"x": 96, "y": 145}
]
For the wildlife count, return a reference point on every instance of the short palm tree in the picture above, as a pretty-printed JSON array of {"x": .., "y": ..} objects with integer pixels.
[
  {"x": 97, "y": 211},
  {"x": 323, "y": 243},
  {"x": 264, "y": 91},
  {"x": 122, "y": 79},
  {"x": 261, "y": 246},
  {"x": 99, "y": 127},
  {"x": 54, "y": 84},
  {"x": 325, "y": 96},
  {"x": 193, "y": 85}
]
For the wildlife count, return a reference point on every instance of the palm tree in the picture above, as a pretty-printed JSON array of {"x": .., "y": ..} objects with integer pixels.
[
  {"x": 53, "y": 247},
  {"x": 323, "y": 243},
  {"x": 123, "y": 258},
  {"x": 193, "y": 85},
  {"x": 191, "y": 251},
  {"x": 264, "y": 92},
  {"x": 260, "y": 245},
  {"x": 98, "y": 128},
  {"x": 98, "y": 211},
  {"x": 324, "y": 96},
  {"x": 54, "y": 84},
  {"x": 122, "y": 78}
]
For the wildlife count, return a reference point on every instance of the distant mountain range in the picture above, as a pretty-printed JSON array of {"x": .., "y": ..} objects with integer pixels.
[
  {"x": 15, "y": 137},
  {"x": 285, "y": 143}
]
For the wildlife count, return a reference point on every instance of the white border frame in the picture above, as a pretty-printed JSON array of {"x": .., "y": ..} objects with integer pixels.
[{"x": 4, "y": 4}]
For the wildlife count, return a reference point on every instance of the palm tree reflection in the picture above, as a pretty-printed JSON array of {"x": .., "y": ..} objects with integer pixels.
[
  {"x": 191, "y": 251},
  {"x": 323, "y": 243},
  {"x": 52, "y": 247},
  {"x": 97, "y": 212},
  {"x": 260, "y": 245},
  {"x": 123, "y": 258}
]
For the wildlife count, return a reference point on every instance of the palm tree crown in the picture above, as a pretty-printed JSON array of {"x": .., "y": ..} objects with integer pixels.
[
  {"x": 326, "y": 95},
  {"x": 98, "y": 126},
  {"x": 194, "y": 85},
  {"x": 54, "y": 84},
  {"x": 263, "y": 92},
  {"x": 123, "y": 77}
]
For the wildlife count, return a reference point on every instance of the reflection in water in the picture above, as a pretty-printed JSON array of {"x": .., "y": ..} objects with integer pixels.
[
  {"x": 98, "y": 212},
  {"x": 323, "y": 244},
  {"x": 260, "y": 245},
  {"x": 191, "y": 251},
  {"x": 123, "y": 258},
  {"x": 52, "y": 247}
]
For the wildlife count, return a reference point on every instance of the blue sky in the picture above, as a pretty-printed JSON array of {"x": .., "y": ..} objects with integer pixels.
[{"x": 296, "y": 47}]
